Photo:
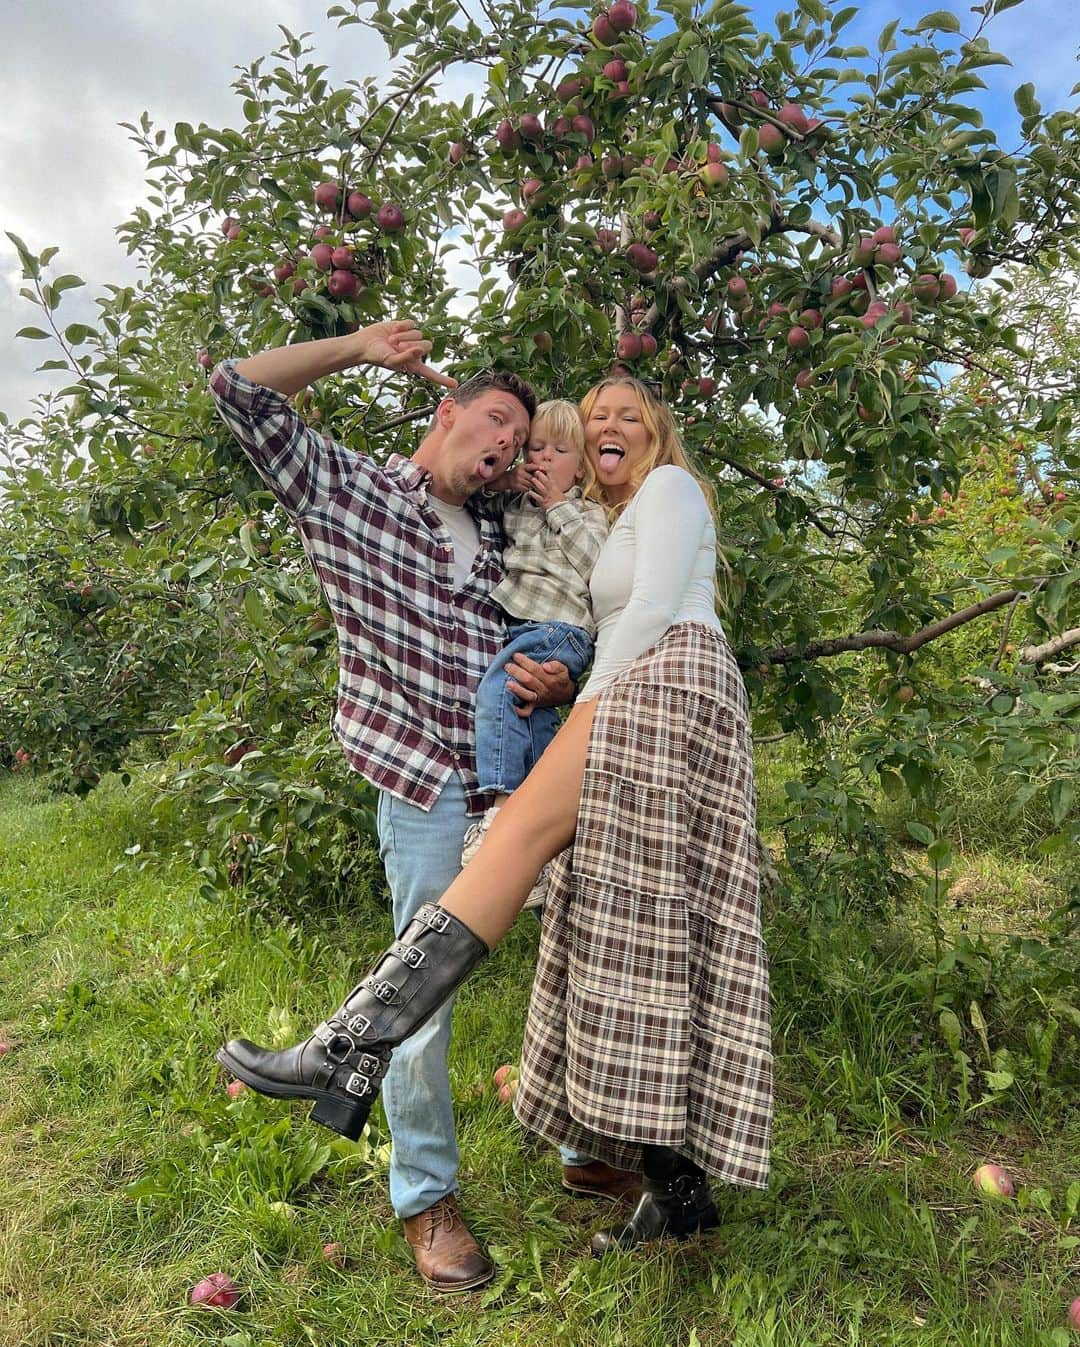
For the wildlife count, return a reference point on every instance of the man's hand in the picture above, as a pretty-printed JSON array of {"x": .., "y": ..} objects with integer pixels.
[
  {"x": 513, "y": 479},
  {"x": 399, "y": 345},
  {"x": 546, "y": 684}
]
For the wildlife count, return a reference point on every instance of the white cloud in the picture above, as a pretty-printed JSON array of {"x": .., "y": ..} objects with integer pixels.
[{"x": 68, "y": 173}]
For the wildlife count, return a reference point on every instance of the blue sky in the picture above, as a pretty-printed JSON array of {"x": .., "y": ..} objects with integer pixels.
[{"x": 68, "y": 175}]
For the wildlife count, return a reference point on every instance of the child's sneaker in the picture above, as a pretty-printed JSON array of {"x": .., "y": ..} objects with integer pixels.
[{"x": 476, "y": 833}]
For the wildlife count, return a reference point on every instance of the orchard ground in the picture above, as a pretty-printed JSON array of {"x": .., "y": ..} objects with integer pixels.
[{"x": 130, "y": 1174}]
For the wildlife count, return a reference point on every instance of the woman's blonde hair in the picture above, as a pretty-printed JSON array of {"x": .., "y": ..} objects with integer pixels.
[
  {"x": 565, "y": 421},
  {"x": 666, "y": 445}
]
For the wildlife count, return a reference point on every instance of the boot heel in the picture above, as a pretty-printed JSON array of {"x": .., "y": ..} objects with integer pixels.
[{"x": 347, "y": 1119}]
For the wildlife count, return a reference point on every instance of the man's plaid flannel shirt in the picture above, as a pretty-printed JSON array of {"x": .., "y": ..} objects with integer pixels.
[{"x": 412, "y": 650}]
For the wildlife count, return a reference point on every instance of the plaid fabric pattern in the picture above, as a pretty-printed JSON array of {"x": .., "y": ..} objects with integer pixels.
[
  {"x": 649, "y": 1017},
  {"x": 411, "y": 649},
  {"x": 549, "y": 557}
]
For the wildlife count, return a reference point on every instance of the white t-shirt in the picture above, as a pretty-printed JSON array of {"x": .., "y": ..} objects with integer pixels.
[
  {"x": 464, "y": 534},
  {"x": 658, "y": 567}
]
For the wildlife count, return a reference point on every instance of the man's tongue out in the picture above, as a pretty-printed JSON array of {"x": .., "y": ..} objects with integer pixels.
[{"x": 610, "y": 458}]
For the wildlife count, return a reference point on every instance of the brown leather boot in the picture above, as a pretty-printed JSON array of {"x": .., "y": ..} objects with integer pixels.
[
  {"x": 447, "y": 1256},
  {"x": 597, "y": 1179}
]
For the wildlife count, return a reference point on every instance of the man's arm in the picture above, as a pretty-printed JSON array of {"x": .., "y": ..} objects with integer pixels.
[{"x": 397, "y": 345}]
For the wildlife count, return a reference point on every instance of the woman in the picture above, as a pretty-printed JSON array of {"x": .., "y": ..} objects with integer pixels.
[{"x": 647, "y": 1041}]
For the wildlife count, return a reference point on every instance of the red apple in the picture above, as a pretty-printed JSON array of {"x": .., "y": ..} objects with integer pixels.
[
  {"x": 642, "y": 257},
  {"x": 457, "y": 152},
  {"x": 390, "y": 219},
  {"x": 1074, "y": 1315},
  {"x": 233, "y": 231},
  {"x": 358, "y": 205},
  {"x": 323, "y": 256},
  {"x": 615, "y": 70},
  {"x": 622, "y": 16},
  {"x": 507, "y": 137},
  {"x": 792, "y": 115},
  {"x": 513, "y": 220},
  {"x": 342, "y": 284},
  {"x": 299, "y": 285},
  {"x": 284, "y": 270},
  {"x": 218, "y": 1291},
  {"x": 343, "y": 258},
  {"x": 583, "y": 126},
  {"x": 888, "y": 254},
  {"x": 738, "y": 292},
  {"x": 805, "y": 379},
  {"x": 993, "y": 1181},
  {"x": 629, "y": 347},
  {"x": 841, "y": 286},
  {"x": 706, "y": 386},
  {"x": 649, "y": 348},
  {"x": 334, "y": 1255},
  {"x": 604, "y": 31},
  {"x": 227, "y": 224},
  {"x": 235, "y": 1089},
  {"x": 862, "y": 255},
  {"x": 531, "y": 128},
  {"x": 714, "y": 174},
  {"x": 560, "y": 127},
  {"x": 966, "y": 233},
  {"x": 543, "y": 342},
  {"x": 608, "y": 239},
  {"x": 321, "y": 232},
  {"x": 204, "y": 360},
  {"x": 948, "y": 286},
  {"x": 772, "y": 140},
  {"x": 926, "y": 287},
  {"x": 810, "y": 318},
  {"x": 886, "y": 234},
  {"x": 328, "y": 196},
  {"x": 569, "y": 88},
  {"x": 798, "y": 338},
  {"x": 758, "y": 97}
]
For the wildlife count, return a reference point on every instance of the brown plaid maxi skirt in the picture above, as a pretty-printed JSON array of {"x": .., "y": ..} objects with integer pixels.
[{"x": 649, "y": 1016}]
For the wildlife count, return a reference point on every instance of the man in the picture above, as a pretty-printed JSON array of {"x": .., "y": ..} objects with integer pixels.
[{"x": 407, "y": 566}]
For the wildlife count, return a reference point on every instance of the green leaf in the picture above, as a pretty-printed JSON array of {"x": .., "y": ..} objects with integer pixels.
[
  {"x": 941, "y": 19},
  {"x": 33, "y": 334},
  {"x": 920, "y": 832}
]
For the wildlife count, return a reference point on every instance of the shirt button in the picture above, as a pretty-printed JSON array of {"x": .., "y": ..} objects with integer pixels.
[{"x": 456, "y": 757}]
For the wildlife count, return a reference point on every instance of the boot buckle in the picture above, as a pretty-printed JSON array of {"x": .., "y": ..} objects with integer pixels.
[
  {"x": 366, "y": 1065},
  {"x": 358, "y": 1025},
  {"x": 409, "y": 954},
  {"x": 358, "y": 1084},
  {"x": 435, "y": 917},
  {"x": 338, "y": 1044},
  {"x": 383, "y": 991}
]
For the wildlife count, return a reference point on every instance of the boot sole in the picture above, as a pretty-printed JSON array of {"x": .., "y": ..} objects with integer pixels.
[
  {"x": 709, "y": 1221},
  {"x": 344, "y": 1117}
]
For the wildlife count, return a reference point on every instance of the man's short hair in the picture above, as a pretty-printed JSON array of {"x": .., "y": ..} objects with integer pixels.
[{"x": 496, "y": 380}]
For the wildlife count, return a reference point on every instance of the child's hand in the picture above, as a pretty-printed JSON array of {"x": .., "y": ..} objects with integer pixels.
[{"x": 542, "y": 491}]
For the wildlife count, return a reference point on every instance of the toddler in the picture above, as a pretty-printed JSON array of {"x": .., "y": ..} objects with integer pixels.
[{"x": 554, "y": 538}]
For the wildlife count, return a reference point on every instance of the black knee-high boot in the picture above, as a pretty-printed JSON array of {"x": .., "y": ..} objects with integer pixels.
[
  {"x": 675, "y": 1203},
  {"x": 342, "y": 1064}
]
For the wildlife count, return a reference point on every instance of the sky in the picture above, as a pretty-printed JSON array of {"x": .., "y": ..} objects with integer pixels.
[{"x": 69, "y": 174}]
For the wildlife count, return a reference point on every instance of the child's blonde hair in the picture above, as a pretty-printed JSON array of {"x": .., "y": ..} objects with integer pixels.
[{"x": 565, "y": 421}]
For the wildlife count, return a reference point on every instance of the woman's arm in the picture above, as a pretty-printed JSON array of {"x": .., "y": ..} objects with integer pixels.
[{"x": 670, "y": 521}]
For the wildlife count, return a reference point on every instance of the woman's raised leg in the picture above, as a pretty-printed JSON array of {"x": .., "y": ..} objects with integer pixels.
[{"x": 535, "y": 824}]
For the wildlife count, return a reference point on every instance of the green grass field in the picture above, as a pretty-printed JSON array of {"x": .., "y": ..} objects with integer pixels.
[{"x": 127, "y": 1173}]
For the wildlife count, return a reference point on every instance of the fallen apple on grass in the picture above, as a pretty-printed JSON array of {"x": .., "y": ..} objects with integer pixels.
[
  {"x": 993, "y": 1181},
  {"x": 506, "y": 1080},
  {"x": 217, "y": 1292}
]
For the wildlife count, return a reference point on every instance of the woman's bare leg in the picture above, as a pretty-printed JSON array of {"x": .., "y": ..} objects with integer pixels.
[{"x": 535, "y": 824}]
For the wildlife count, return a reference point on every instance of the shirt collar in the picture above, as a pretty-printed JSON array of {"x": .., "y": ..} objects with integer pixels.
[{"x": 416, "y": 480}]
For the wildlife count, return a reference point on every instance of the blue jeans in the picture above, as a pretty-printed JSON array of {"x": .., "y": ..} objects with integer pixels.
[
  {"x": 508, "y": 745},
  {"x": 422, "y": 855}
]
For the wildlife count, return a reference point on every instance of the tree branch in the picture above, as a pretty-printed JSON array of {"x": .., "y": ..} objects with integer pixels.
[
  {"x": 892, "y": 640},
  {"x": 1037, "y": 654}
]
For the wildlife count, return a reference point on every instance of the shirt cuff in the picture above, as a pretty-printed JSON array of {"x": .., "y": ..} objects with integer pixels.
[{"x": 238, "y": 391}]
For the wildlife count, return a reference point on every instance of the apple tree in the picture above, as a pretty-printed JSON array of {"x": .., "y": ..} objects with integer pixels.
[{"x": 801, "y": 243}]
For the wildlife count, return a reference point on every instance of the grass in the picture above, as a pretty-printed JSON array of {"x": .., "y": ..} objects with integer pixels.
[{"x": 127, "y": 1173}]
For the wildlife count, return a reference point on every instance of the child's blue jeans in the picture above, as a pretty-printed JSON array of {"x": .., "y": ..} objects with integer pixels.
[{"x": 508, "y": 745}]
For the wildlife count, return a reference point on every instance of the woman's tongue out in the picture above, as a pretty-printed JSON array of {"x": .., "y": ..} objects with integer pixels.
[{"x": 610, "y": 456}]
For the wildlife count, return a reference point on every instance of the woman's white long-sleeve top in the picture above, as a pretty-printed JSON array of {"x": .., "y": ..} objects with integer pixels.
[{"x": 658, "y": 567}]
